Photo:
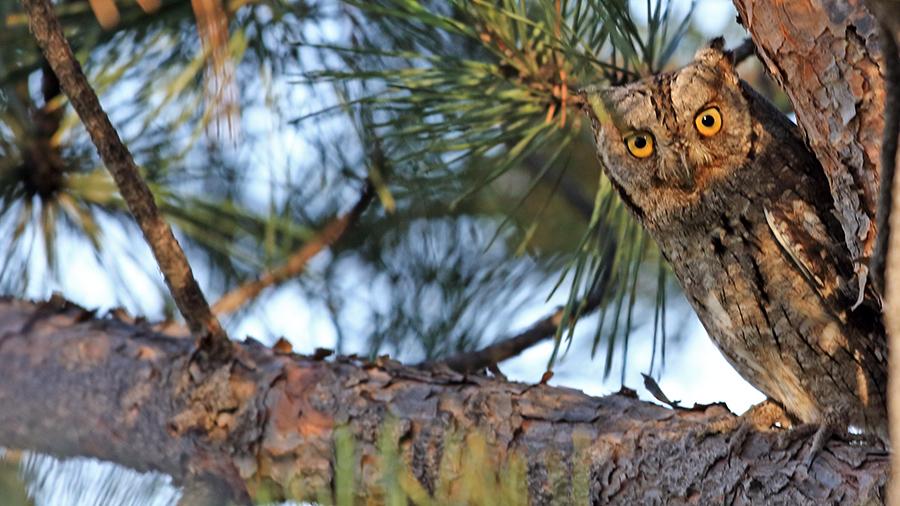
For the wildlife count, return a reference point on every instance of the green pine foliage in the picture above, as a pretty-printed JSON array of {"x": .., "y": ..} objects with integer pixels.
[
  {"x": 474, "y": 90},
  {"x": 464, "y": 115}
]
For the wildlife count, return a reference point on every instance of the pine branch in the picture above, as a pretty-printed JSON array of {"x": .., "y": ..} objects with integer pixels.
[
  {"x": 212, "y": 340},
  {"x": 472, "y": 361},
  {"x": 296, "y": 264}
]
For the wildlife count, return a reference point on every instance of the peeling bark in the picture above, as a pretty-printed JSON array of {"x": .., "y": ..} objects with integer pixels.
[
  {"x": 825, "y": 55},
  {"x": 76, "y": 385}
]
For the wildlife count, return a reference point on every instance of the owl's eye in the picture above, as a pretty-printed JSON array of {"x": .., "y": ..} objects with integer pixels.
[
  {"x": 709, "y": 121},
  {"x": 640, "y": 144}
]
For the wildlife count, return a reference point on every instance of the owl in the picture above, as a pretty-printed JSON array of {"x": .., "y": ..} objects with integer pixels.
[{"x": 742, "y": 211}]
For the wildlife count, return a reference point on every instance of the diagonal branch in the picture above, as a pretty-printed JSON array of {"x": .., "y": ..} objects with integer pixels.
[
  {"x": 118, "y": 160},
  {"x": 297, "y": 262},
  {"x": 471, "y": 361},
  {"x": 745, "y": 50}
]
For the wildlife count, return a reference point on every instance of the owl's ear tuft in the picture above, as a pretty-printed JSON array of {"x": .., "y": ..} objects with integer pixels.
[
  {"x": 713, "y": 55},
  {"x": 718, "y": 44}
]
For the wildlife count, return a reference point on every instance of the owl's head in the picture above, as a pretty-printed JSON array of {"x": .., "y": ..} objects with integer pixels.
[{"x": 669, "y": 137}]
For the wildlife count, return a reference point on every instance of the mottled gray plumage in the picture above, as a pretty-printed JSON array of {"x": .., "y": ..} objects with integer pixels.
[{"x": 744, "y": 217}]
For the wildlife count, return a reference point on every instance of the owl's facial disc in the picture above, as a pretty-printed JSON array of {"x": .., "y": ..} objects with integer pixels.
[
  {"x": 666, "y": 141},
  {"x": 675, "y": 168}
]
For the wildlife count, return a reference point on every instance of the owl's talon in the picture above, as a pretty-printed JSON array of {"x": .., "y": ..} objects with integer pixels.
[
  {"x": 823, "y": 433},
  {"x": 763, "y": 417},
  {"x": 797, "y": 432}
]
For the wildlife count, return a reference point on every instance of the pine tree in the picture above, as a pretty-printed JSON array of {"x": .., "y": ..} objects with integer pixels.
[{"x": 434, "y": 148}]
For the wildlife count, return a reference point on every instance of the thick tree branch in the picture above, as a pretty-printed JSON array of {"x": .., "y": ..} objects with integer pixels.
[
  {"x": 118, "y": 160},
  {"x": 274, "y": 421},
  {"x": 297, "y": 262}
]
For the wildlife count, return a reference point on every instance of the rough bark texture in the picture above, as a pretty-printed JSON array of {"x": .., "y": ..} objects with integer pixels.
[
  {"x": 825, "y": 54},
  {"x": 76, "y": 385}
]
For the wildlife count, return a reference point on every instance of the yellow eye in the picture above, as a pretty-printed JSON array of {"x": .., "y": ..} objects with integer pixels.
[
  {"x": 640, "y": 144},
  {"x": 709, "y": 121}
]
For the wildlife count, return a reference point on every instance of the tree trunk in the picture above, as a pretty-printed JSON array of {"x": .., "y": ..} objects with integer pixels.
[
  {"x": 825, "y": 55},
  {"x": 843, "y": 81},
  {"x": 271, "y": 425}
]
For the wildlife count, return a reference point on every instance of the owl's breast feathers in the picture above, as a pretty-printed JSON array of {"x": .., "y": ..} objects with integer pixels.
[{"x": 761, "y": 259}]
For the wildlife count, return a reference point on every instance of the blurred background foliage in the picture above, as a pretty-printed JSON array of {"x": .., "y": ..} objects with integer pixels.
[{"x": 463, "y": 114}]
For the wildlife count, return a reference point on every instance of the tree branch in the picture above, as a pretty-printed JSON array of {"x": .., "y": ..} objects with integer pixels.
[
  {"x": 118, "y": 160},
  {"x": 743, "y": 51},
  {"x": 296, "y": 264},
  {"x": 472, "y": 361},
  {"x": 276, "y": 423}
]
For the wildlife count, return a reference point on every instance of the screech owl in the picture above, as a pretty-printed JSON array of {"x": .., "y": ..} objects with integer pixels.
[{"x": 741, "y": 209}]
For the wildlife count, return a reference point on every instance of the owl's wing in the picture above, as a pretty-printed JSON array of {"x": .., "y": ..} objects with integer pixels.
[{"x": 804, "y": 237}]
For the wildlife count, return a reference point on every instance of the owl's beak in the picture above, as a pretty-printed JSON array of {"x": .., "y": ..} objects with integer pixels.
[
  {"x": 677, "y": 169},
  {"x": 683, "y": 171}
]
